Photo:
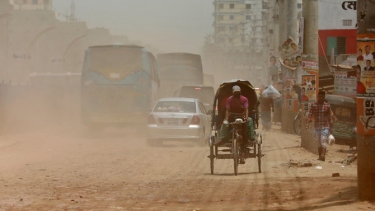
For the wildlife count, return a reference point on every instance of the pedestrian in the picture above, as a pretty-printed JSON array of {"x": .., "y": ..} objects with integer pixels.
[
  {"x": 322, "y": 114},
  {"x": 266, "y": 107},
  {"x": 273, "y": 71}
]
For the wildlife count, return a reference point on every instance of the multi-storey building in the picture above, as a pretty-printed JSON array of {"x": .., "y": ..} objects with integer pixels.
[
  {"x": 32, "y": 4},
  {"x": 239, "y": 24}
]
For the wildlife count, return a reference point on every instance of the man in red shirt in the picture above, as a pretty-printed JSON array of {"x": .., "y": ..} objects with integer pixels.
[
  {"x": 237, "y": 107},
  {"x": 323, "y": 121}
]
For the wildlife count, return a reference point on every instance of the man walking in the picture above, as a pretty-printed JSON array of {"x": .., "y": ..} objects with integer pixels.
[{"x": 323, "y": 121}]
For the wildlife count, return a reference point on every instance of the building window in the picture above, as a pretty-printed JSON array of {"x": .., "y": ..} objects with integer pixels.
[
  {"x": 347, "y": 22},
  {"x": 221, "y": 29},
  {"x": 35, "y": 1},
  {"x": 338, "y": 44},
  {"x": 248, "y": 6},
  {"x": 264, "y": 5},
  {"x": 231, "y": 17},
  {"x": 221, "y": 6},
  {"x": 341, "y": 45},
  {"x": 248, "y": 17},
  {"x": 231, "y": 6},
  {"x": 220, "y": 40},
  {"x": 221, "y": 17},
  {"x": 299, "y": 6}
]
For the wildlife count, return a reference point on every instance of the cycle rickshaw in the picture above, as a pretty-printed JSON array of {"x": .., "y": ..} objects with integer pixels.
[{"x": 230, "y": 148}]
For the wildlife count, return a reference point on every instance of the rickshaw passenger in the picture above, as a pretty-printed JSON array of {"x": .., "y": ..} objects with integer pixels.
[{"x": 237, "y": 107}]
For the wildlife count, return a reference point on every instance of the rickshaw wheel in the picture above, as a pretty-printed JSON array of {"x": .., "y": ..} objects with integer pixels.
[
  {"x": 235, "y": 155},
  {"x": 259, "y": 158},
  {"x": 212, "y": 159}
]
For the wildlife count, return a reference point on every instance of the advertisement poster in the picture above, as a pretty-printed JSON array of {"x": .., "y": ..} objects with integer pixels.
[
  {"x": 345, "y": 85},
  {"x": 366, "y": 85},
  {"x": 368, "y": 82},
  {"x": 366, "y": 53},
  {"x": 308, "y": 88},
  {"x": 366, "y": 116},
  {"x": 290, "y": 53}
]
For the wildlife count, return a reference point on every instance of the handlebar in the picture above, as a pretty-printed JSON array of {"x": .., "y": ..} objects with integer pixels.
[{"x": 236, "y": 122}]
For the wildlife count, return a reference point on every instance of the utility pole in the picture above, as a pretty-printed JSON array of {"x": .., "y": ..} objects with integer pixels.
[
  {"x": 310, "y": 13},
  {"x": 292, "y": 19},
  {"x": 365, "y": 136}
]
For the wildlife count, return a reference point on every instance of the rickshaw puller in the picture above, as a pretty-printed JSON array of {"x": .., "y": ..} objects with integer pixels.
[{"x": 237, "y": 107}]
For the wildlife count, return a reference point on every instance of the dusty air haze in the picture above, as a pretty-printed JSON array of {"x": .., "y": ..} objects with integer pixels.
[
  {"x": 51, "y": 160},
  {"x": 169, "y": 25}
]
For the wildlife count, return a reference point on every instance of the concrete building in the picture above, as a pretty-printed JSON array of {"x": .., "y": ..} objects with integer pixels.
[
  {"x": 338, "y": 34},
  {"x": 31, "y": 4},
  {"x": 33, "y": 40},
  {"x": 5, "y": 13},
  {"x": 240, "y": 35},
  {"x": 248, "y": 31},
  {"x": 239, "y": 24}
]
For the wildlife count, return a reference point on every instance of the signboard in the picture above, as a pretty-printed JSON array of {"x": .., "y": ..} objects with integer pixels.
[
  {"x": 345, "y": 85},
  {"x": 310, "y": 65}
]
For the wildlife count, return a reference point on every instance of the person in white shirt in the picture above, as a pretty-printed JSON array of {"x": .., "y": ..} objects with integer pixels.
[
  {"x": 368, "y": 55},
  {"x": 368, "y": 66}
]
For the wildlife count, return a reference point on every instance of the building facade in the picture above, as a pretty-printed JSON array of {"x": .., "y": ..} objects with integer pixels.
[
  {"x": 338, "y": 33},
  {"x": 32, "y": 4},
  {"x": 33, "y": 41}
]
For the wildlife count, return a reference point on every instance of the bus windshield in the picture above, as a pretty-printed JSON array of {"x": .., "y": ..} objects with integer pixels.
[{"x": 115, "y": 62}]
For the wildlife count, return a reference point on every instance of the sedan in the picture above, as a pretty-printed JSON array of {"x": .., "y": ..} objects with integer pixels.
[{"x": 178, "y": 119}]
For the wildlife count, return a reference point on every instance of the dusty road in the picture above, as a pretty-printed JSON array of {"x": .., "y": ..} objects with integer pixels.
[{"x": 63, "y": 168}]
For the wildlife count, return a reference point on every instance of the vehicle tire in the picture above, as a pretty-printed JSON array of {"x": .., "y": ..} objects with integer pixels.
[
  {"x": 212, "y": 159},
  {"x": 259, "y": 158},
  {"x": 235, "y": 155},
  {"x": 297, "y": 126}
]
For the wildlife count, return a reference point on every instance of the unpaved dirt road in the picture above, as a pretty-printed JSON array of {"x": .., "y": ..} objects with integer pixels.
[{"x": 61, "y": 167}]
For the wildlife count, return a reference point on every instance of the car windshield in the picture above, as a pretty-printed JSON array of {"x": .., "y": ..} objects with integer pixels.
[{"x": 175, "y": 106}]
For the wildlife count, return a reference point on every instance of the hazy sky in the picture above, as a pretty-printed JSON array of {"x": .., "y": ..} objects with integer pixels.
[{"x": 169, "y": 25}]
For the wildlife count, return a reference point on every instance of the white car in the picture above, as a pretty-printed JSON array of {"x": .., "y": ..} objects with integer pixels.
[{"x": 178, "y": 119}]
